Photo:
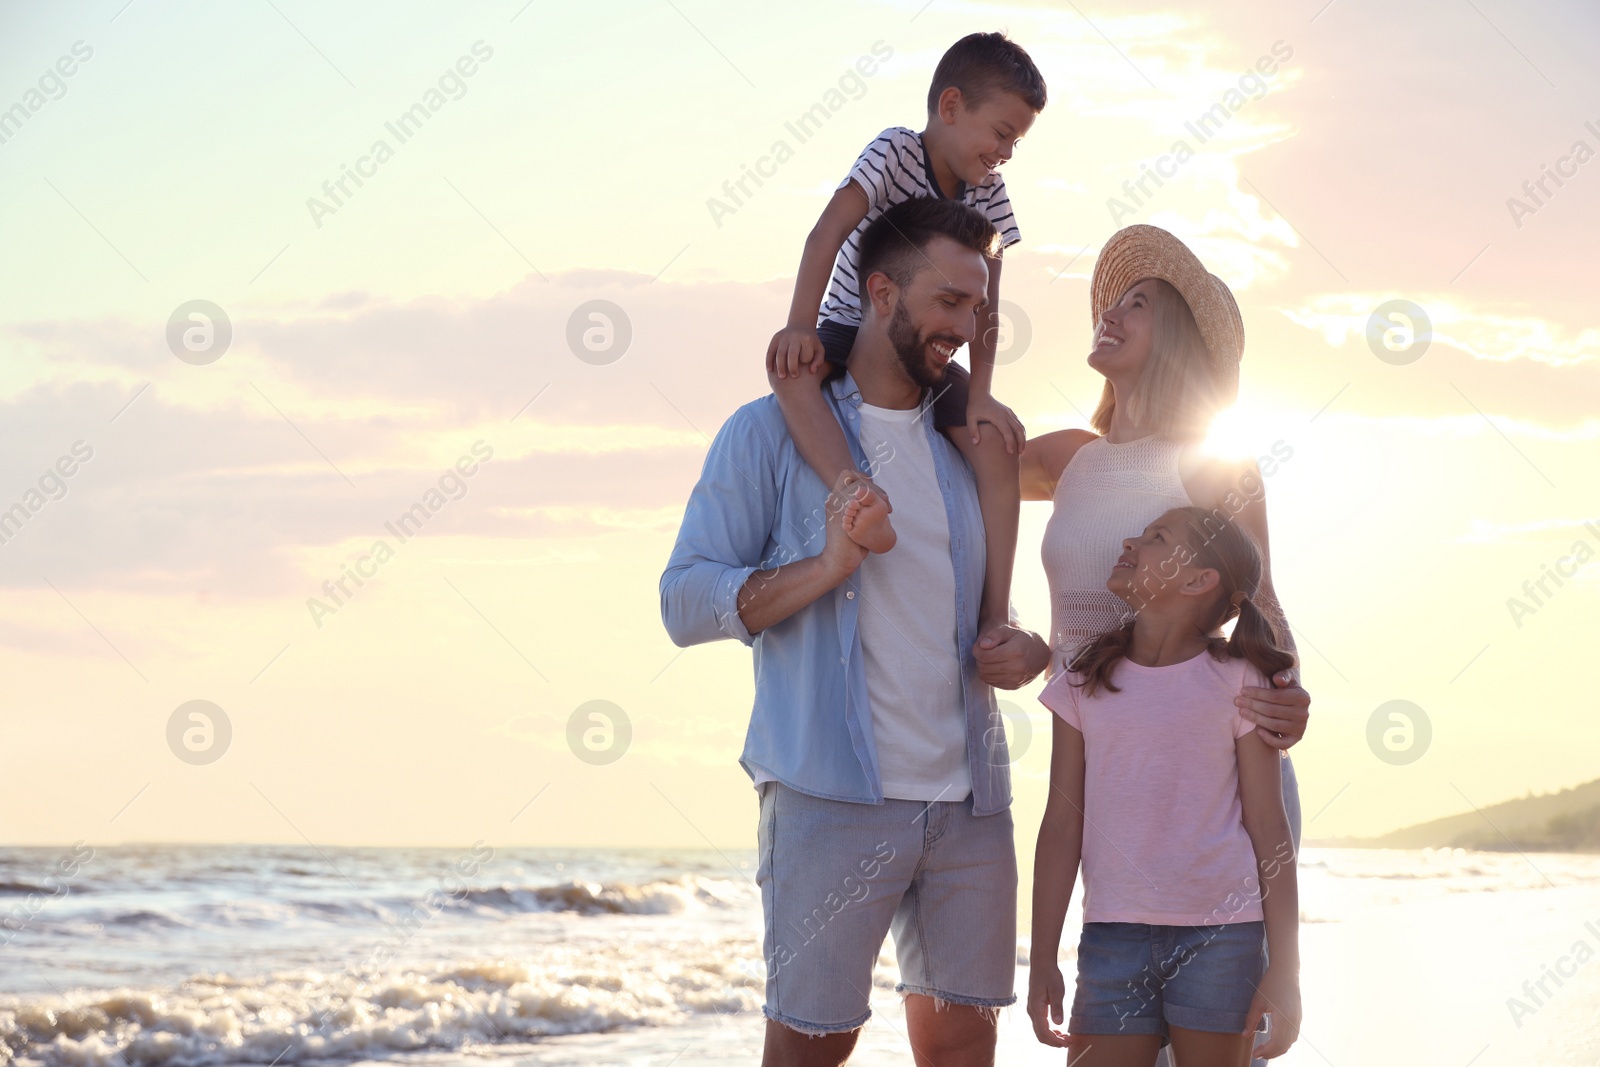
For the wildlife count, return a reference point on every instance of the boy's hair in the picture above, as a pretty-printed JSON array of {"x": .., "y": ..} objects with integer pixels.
[
  {"x": 893, "y": 242},
  {"x": 1178, "y": 392},
  {"x": 982, "y": 64},
  {"x": 1214, "y": 541}
]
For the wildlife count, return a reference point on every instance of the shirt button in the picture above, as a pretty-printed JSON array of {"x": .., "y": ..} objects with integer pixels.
[
  {"x": 849, "y": 594},
  {"x": 841, "y": 660}
]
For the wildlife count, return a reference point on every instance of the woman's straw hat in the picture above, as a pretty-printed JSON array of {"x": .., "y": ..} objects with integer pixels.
[{"x": 1138, "y": 252}]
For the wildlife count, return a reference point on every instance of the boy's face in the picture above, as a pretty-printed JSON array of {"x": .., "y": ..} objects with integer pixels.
[{"x": 982, "y": 138}]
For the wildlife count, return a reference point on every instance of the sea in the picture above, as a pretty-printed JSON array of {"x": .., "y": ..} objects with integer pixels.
[{"x": 204, "y": 956}]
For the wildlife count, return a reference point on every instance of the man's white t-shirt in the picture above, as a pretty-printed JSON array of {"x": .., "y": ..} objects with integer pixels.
[{"x": 907, "y": 619}]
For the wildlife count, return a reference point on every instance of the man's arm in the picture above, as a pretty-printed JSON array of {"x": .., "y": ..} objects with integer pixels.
[
  {"x": 714, "y": 586},
  {"x": 769, "y": 597},
  {"x": 726, "y": 526}
]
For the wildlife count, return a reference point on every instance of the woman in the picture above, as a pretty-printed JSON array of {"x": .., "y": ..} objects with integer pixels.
[{"x": 1168, "y": 339}]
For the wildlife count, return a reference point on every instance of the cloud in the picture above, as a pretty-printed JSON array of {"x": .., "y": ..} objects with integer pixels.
[
  {"x": 586, "y": 520},
  {"x": 1486, "y": 335},
  {"x": 439, "y": 359},
  {"x": 235, "y": 501},
  {"x": 1468, "y": 425},
  {"x": 1485, "y": 531},
  {"x": 1061, "y": 185}
]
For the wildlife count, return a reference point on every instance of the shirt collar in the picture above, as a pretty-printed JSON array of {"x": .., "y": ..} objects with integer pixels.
[
  {"x": 933, "y": 182},
  {"x": 845, "y": 390}
]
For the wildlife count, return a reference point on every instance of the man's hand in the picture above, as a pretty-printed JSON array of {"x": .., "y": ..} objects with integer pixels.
[
  {"x": 794, "y": 347},
  {"x": 768, "y": 597},
  {"x": 1281, "y": 713},
  {"x": 1009, "y": 658},
  {"x": 981, "y": 408}
]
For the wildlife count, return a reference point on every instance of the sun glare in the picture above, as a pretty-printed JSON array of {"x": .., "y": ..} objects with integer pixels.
[{"x": 1239, "y": 431}]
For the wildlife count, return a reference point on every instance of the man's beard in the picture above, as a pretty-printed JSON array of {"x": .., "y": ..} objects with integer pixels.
[{"x": 913, "y": 349}]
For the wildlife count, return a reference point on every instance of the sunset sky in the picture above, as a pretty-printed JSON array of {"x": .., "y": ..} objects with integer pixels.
[{"x": 383, "y": 332}]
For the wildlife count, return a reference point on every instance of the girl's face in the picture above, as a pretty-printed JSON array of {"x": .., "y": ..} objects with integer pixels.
[
  {"x": 1158, "y": 565},
  {"x": 1122, "y": 337}
]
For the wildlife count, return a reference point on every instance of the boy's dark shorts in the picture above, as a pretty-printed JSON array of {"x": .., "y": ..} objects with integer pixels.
[{"x": 949, "y": 399}]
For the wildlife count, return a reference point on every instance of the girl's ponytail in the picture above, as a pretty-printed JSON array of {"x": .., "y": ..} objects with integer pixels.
[{"x": 1256, "y": 637}]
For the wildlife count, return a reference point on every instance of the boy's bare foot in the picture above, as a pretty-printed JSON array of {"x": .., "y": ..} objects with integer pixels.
[{"x": 866, "y": 520}]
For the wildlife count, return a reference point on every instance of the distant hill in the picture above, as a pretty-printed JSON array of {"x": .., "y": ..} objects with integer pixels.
[{"x": 1568, "y": 821}]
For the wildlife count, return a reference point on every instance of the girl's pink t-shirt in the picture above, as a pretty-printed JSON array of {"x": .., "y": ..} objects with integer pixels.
[{"x": 1163, "y": 830}]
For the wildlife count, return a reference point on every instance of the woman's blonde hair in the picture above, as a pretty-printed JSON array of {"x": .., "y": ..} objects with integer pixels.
[{"x": 1177, "y": 393}]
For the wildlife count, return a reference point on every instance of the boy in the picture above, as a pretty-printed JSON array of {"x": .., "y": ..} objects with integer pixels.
[{"x": 985, "y": 95}]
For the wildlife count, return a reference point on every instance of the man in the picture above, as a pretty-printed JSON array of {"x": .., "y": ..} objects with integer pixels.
[{"x": 875, "y": 742}]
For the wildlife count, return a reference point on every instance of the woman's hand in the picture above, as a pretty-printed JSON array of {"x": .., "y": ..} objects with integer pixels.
[
  {"x": 1278, "y": 995},
  {"x": 1046, "y": 991},
  {"x": 1280, "y": 714},
  {"x": 981, "y": 408}
]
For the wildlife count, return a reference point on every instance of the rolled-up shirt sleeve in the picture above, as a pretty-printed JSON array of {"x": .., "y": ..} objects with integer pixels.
[{"x": 726, "y": 528}]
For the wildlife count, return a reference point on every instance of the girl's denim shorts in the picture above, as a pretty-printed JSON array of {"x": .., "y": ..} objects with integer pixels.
[{"x": 1135, "y": 978}]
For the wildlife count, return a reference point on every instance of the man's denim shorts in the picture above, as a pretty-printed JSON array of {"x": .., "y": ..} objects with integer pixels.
[
  {"x": 1135, "y": 978},
  {"x": 837, "y": 876}
]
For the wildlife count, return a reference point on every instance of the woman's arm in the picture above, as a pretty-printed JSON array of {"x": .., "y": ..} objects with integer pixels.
[
  {"x": 1047, "y": 456},
  {"x": 1261, "y": 793},
  {"x": 1055, "y": 870},
  {"x": 1237, "y": 489}
]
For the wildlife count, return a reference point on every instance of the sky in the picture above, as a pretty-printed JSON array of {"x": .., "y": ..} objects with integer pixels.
[{"x": 224, "y": 381}]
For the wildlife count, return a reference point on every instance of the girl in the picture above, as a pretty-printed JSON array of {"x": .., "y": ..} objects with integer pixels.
[{"x": 1181, "y": 874}]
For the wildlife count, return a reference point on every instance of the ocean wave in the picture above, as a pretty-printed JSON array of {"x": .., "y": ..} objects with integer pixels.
[
  {"x": 661, "y": 897},
  {"x": 146, "y": 917},
  {"x": 23, "y": 888},
  {"x": 218, "y": 1019}
]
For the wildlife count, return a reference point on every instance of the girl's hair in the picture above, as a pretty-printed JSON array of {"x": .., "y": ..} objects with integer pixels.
[
  {"x": 1178, "y": 393},
  {"x": 1213, "y": 541}
]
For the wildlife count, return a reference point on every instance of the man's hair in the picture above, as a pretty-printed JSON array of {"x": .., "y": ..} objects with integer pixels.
[
  {"x": 982, "y": 64},
  {"x": 894, "y": 241}
]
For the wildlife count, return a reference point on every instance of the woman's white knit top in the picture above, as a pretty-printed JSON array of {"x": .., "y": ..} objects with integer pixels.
[{"x": 1108, "y": 492}]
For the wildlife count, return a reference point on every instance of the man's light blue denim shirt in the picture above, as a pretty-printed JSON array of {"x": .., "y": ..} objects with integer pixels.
[{"x": 759, "y": 505}]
